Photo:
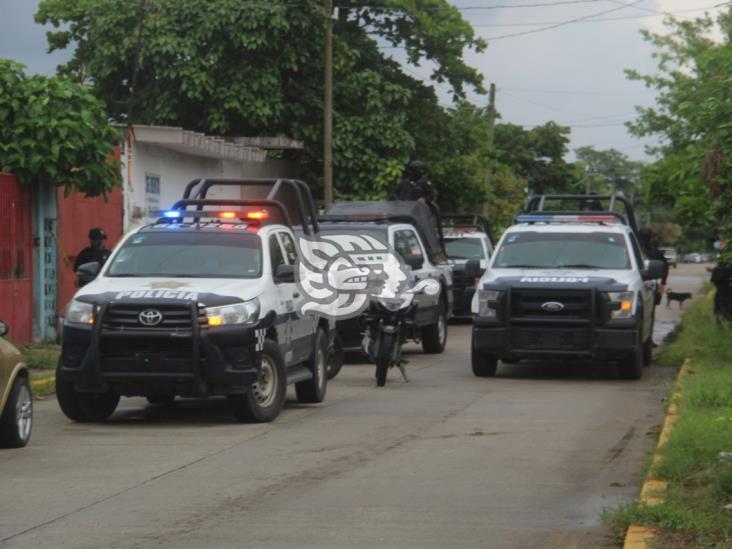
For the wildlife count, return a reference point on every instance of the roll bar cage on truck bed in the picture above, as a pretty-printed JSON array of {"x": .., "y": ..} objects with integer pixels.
[
  {"x": 478, "y": 222},
  {"x": 589, "y": 208},
  {"x": 286, "y": 196}
]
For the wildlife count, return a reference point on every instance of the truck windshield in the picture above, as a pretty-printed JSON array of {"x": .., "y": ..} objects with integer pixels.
[
  {"x": 464, "y": 248},
  {"x": 189, "y": 254},
  {"x": 534, "y": 250}
]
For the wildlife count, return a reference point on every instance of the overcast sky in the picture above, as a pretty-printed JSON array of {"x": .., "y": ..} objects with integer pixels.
[{"x": 572, "y": 74}]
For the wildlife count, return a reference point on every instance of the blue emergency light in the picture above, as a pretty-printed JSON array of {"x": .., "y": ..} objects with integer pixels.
[
  {"x": 553, "y": 218},
  {"x": 171, "y": 214}
]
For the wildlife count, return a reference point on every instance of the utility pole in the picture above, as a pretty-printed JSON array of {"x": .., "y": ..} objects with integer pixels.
[
  {"x": 491, "y": 128},
  {"x": 328, "y": 107}
]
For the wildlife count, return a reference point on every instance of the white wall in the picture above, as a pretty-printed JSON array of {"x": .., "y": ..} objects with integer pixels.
[{"x": 174, "y": 171}]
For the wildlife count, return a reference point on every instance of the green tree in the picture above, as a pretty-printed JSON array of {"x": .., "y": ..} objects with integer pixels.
[
  {"x": 54, "y": 132},
  {"x": 693, "y": 116},
  {"x": 609, "y": 171},
  {"x": 537, "y": 156},
  {"x": 248, "y": 67}
]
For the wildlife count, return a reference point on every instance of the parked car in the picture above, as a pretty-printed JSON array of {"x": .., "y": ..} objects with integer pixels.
[
  {"x": 671, "y": 255},
  {"x": 693, "y": 258},
  {"x": 16, "y": 403}
]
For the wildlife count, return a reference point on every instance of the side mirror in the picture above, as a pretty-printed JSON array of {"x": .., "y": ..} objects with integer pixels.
[
  {"x": 414, "y": 261},
  {"x": 474, "y": 269},
  {"x": 4, "y": 328},
  {"x": 88, "y": 272},
  {"x": 655, "y": 268},
  {"x": 285, "y": 273}
]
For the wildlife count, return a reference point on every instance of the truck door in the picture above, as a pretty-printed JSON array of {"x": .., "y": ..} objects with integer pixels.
[
  {"x": 406, "y": 242},
  {"x": 303, "y": 328},
  {"x": 285, "y": 302}
]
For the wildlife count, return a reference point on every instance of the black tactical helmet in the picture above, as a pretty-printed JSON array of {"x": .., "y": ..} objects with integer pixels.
[
  {"x": 416, "y": 169},
  {"x": 97, "y": 233}
]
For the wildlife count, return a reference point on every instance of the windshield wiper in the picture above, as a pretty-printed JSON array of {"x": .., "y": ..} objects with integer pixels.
[
  {"x": 523, "y": 267},
  {"x": 577, "y": 266}
]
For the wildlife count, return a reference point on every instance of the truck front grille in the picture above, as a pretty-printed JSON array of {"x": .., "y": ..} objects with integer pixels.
[
  {"x": 533, "y": 305},
  {"x": 121, "y": 316}
]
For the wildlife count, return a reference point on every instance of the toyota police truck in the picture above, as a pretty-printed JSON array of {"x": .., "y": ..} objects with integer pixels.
[
  {"x": 201, "y": 302},
  {"x": 567, "y": 281}
]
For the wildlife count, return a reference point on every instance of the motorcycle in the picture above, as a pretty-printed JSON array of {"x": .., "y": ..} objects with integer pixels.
[{"x": 388, "y": 322}]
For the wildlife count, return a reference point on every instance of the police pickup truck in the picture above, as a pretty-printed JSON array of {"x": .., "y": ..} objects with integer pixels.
[
  {"x": 567, "y": 283},
  {"x": 414, "y": 234},
  {"x": 202, "y": 302},
  {"x": 467, "y": 236}
]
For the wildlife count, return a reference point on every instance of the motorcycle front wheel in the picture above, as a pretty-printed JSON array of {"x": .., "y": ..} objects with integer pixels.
[{"x": 384, "y": 355}]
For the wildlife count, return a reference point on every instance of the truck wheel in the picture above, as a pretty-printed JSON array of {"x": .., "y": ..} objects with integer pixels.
[
  {"x": 16, "y": 422},
  {"x": 160, "y": 399},
  {"x": 264, "y": 400},
  {"x": 83, "y": 407},
  {"x": 483, "y": 364},
  {"x": 313, "y": 390},
  {"x": 631, "y": 367},
  {"x": 336, "y": 358},
  {"x": 434, "y": 336}
]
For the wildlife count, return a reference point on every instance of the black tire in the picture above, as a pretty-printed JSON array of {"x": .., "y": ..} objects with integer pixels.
[
  {"x": 434, "y": 336},
  {"x": 483, "y": 364},
  {"x": 383, "y": 357},
  {"x": 160, "y": 399},
  {"x": 631, "y": 366},
  {"x": 83, "y": 407},
  {"x": 263, "y": 402},
  {"x": 16, "y": 421},
  {"x": 648, "y": 351},
  {"x": 336, "y": 358},
  {"x": 313, "y": 390}
]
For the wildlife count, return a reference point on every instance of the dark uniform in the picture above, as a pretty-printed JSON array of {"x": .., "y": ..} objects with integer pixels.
[
  {"x": 415, "y": 186},
  {"x": 95, "y": 252},
  {"x": 722, "y": 280}
]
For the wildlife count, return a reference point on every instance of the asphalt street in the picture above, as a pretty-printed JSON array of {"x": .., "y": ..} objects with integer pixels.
[{"x": 527, "y": 459}]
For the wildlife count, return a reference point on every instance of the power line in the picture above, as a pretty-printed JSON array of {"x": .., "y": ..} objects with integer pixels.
[
  {"x": 563, "y": 23},
  {"x": 558, "y": 109},
  {"x": 600, "y": 20},
  {"x": 576, "y": 92}
]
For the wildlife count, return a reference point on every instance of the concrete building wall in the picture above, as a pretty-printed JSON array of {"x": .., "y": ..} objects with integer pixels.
[{"x": 155, "y": 178}]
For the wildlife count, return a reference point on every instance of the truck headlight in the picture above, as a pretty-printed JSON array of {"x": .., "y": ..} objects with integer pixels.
[
  {"x": 488, "y": 303},
  {"x": 621, "y": 304},
  {"x": 79, "y": 313},
  {"x": 236, "y": 313}
]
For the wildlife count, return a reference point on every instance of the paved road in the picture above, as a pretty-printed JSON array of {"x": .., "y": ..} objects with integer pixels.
[{"x": 528, "y": 459}]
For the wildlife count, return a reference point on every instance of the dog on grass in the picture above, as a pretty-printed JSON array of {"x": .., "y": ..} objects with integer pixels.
[{"x": 677, "y": 296}]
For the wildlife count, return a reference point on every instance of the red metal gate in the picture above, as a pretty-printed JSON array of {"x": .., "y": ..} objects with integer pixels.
[{"x": 16, "y": 258}]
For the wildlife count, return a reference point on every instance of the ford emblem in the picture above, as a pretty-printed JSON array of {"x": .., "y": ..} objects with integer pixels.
[
  {"x": 150, "y": 317},
  {"x": 552, "y": 306}
]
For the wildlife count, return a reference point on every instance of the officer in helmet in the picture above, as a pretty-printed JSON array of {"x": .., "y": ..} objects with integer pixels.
[
  {"x": 415, "y": 186},
  {"x": 95, "y": 252}
]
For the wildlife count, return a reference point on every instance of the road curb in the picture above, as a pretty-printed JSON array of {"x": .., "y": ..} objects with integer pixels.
[
  {"x": 40, "y": 384},
  {"x": 653, "y": 491}
]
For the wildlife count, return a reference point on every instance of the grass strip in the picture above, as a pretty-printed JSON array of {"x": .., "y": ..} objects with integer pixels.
[{"x": 693, "y": 461}]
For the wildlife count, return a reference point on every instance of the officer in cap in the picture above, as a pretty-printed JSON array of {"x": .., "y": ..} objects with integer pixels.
[{"x": 95, "y": 252}]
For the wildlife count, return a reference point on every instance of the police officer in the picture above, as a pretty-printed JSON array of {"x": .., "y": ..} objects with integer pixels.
[
  {"x": 722, "y": 280},
  {"x": 95, "y": 251},
  {"x": 415, "y": 186}
]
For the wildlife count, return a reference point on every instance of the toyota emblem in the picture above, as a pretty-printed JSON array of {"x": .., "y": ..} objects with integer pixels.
[
  {"x": 150, "y": 317},
  {"x": 552, "y": 306}
]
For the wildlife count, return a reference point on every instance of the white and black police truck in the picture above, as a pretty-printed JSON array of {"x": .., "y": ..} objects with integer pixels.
[
  {"x": 567, "y": 281},
  {"x": 202, "y": 302}
]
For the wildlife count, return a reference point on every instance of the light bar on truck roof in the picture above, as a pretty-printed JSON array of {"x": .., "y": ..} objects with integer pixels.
[{"x": 551, "y": 218}]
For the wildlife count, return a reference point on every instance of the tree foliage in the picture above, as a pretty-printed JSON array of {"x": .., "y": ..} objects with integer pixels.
[
  {"x": 249, "y": 67},
  {"x": 693, "y": 115},
  {"x": 54, "y": 132},
  {"x": 537, "y": 156},
  {"x": 609, "y": 171}
]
